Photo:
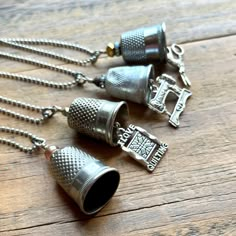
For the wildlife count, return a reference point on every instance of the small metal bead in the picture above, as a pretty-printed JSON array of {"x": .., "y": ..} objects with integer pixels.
[{"x": 110, "y": 50}]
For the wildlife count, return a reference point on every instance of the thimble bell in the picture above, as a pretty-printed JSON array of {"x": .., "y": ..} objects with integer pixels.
[
  {"x": 132, "y": 83},
  {"x": 147, "y": 45},
  {"x": 89, "y": 182},
  {"x": 136, "y": 84},
  {"x": 144, "y": 45},
  {"x": 97, "y": 118}
]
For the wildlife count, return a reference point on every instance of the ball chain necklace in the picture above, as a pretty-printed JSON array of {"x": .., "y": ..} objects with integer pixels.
[
  {"x": 102, "y": 120},
  {"x": 79, "y": 174},
  {"x": 140, "y": 46},
  {"x": 132, "y": 83}
]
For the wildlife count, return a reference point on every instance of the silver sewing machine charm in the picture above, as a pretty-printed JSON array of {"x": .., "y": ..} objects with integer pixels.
[
  {"x": 167, "y": 85},
  {"x": 138, "y": 84},
  {"x": 142, "y": 146}
]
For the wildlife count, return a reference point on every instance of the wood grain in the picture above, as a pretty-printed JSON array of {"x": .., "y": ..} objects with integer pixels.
[{"x": 192, "y": 192}]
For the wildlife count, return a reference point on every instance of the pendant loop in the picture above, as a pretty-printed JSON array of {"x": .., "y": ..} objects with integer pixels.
[
  {"x": 48, "y": 112},
  {"x": 38, "y": 142},
  {"x": 80, "y": 78}
]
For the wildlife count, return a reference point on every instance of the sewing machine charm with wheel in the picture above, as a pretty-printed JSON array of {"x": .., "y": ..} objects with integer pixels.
[{"x": 167, "y": 85}]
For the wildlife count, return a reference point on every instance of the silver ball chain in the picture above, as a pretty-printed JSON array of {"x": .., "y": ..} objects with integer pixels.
[
  {"x": 36, "y": 141},
  {"x": 19, "y": 43},
  {"x": 46, "y": 112},
  {"x": 79, "y": 78}
]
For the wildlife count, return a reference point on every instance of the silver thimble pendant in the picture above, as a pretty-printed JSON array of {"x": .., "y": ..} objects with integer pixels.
[
  {"x": 138, "y": 84},
  {"x": 85, "y": 179},
  {"x": 144, "y": 45},
  {"x": 107, "y": 121},
  {"x": 147, "y": 45},
  {"x": 141, "y": 46},
  {"x": 89, "y": 182}
]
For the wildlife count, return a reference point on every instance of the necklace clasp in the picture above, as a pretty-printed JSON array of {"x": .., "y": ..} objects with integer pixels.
[
  {"x": 48, "y": 112},
  {"x": 38, "y": 142}
]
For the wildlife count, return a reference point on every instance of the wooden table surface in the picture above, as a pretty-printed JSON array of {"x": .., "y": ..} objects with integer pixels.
[{"x": 193, "y": 190}]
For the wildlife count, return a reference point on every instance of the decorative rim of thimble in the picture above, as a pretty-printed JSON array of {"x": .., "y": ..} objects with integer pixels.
[
  {"x": 151, "y": 79},
  {"x": 99, "y": 190},
  {"x": 120, "y": 115},
  {"x": 162, "y": 39}
]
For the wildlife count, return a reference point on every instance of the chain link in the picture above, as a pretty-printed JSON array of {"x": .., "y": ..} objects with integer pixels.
[
  {"x": 49, "y": 42},
  {"x": 41, "y": 64},
  {"x": 79, "y": 78},
  {"x": 36, "y": 141},
  {"x": 17, "y": 43},
  {"x": 46, "y": 112},
  {"x": 29, "y": 79}
]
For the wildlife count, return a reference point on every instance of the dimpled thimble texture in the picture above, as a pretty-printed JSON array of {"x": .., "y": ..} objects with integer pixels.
[
  {"x": 86, "y": 180},
  {"x": 144, "y": 45},
  {"x": 66, "y": 163},
  {"x": 96, "y": 118},
  {"x": 133, "y": 46},
  {"x": 131, "y": 83},
  {"x": 82, "y": 116}
]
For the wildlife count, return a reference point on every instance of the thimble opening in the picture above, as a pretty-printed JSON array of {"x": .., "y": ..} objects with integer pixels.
[{"x": 101, "y": 191}]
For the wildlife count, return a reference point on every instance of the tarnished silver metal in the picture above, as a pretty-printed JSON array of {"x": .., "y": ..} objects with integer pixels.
[
  {"x": 144, "y": 45},
  {"x": 136, "y": 84},
  {"x": 89, "y": 182},
  {"x": 86, "y": 180},
  {"x": 132, "y": 83},
  {"x": 175, "y": 56},
  {"x": 167, "y": 85},
  {"x": 148, "y": 45},
  {"x": 141, "y": 46},
  {"x": 107, "y": 121},
  {"x": 142, "y": 146},
  {"x": 79, "y": 78},
  {"x": 96, "y": 118}
]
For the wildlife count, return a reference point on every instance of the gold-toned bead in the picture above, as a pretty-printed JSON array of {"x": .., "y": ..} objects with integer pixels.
[{"x": 110, "y": 49}]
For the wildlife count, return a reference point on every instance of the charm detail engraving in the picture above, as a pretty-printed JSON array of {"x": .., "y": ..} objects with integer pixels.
[
  {"x": 142, "y": 146},
  {"x": 175, "y": 57},
  {"x": 167, "y": 84}
]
